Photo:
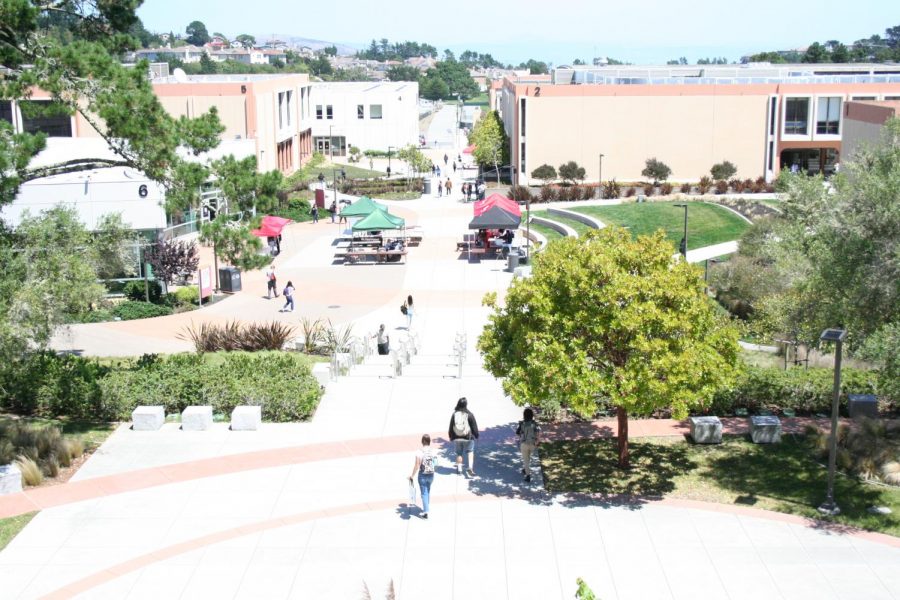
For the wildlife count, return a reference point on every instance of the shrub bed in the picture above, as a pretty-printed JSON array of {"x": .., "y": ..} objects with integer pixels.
[
  {"x": 801, "y": 390},
  {"x": 38, "y": 451},
  {"x": 370, "y": 187},
  {"x": 281, "y": 383},
  {"x": 130, "y": 310},
  {"x": 46, "y": 384}
]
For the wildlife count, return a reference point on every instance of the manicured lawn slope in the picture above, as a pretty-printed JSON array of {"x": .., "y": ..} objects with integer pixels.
[
  {"x": 10, "y": 528},
  {"x": 707, "y": 224},
  {"x": 782, "y": 477}
]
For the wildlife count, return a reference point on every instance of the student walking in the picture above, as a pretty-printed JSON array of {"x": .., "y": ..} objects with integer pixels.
[
  {"x": 288, "y": 297},
  {"x": 333, "y": 210},
  {"x": 463, "y": 433},
  {"x": 315, "y": 213},
  {"x": 423, "y": 470},
  {"x": 440, "y": 189},
  {"x": 448, "y": 186},
  {"x": 528, "y": 432},
  {"x": 445, "y": 159},
  {"x": 271, "y": 283},
  {"x": 454, "y": 166},
  {"x": 409, "y": 311}
]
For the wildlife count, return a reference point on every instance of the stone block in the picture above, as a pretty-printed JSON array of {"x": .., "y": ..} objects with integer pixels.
[
  {"x": 246, "y": 418},
  {"x": 148, "y": 418},
  {"x": 10, "y": 479},
  {"x": 322, "y": 372},
  {"x": 196, "y": 418},
  {"x": 765, "y": 429},
  {"x": 706, "y": 430},
  {"x": 863, "y": 405}
]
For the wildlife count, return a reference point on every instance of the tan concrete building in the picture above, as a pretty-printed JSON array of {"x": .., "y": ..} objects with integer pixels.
[
  {"x": 864, "y": 122},
  {"x": 760, "y": 117}
]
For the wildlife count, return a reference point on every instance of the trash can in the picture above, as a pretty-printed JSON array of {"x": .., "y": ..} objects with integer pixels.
[
  {"x": 513, "y": 261},
  {"x": 230, "y": 279},
  {"x": 426, "y": 188},
  {"x": 320, "y": 198}
]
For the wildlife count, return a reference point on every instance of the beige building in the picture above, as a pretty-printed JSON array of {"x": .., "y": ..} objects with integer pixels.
[
  {"x": 864, "y": 123},
  {"x": 760, "y": 117}
]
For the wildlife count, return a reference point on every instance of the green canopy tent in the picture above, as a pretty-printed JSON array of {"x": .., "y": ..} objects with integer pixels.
[
  {"x": 362, "y": 207},
  {"x": 379, "y": 220}
]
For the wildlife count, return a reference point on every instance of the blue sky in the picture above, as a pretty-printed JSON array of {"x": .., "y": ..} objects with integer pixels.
[{"x": 640, "y": 31}]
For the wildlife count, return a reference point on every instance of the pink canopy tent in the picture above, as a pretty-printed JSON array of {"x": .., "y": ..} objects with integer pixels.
[
  {"x": 270, "y": 226},
  {"x": 469, "y": 149},
  {"x": 510, "y": 206}
]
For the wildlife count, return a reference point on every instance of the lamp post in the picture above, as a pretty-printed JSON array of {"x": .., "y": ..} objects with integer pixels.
[
  {"x": 600, "y": 177},
  {"x": 836, "y": 335},
  {"x": 389, "y": 159},
  {"x": 706, "y": 268},
  {"x": 334, "y": 173},
  {"x": 683, "y": 248}
]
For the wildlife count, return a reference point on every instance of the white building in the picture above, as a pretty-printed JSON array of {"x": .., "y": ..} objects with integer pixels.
[
  {"x": 252, "y": 56},
  {"x": 368, "y": 115},
  {"x": 186, "y": 54},
  {"x": 94, "y": 194}
]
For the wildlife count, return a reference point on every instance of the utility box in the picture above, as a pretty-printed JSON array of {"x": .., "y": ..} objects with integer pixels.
[
  {"x": 320, "y": 198},
  {"x": 863, "y": 405},
  {"x": 230, "y": 279}
]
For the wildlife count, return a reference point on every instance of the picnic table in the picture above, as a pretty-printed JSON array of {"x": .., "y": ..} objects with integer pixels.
[{"x": 360, "y": 256}]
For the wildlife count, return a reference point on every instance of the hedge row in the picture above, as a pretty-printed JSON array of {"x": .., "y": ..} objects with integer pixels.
[
  {"x": 801, "y": 390},
  {"x": 48, "y": 385},
  {"x": 369, "y": 187}
]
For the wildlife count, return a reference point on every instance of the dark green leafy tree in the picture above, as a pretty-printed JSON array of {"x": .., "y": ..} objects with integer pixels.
[
  {"x": 535, "y": 67},
  {"x": 816, "y": 53},
  {"x": 656, "y": 170},
  {"x": 196, "y": 33},
  {"x": 723, "y": 170},
  {"x": 840, "y": 54},
  {"x": 456, "y": 77},
  {"x": 403, "y": 73},
  {"x": 545, "y": 173},
  {"x": 571, "y": 171},
  {"x": 330, "y": 50},
  {"x": 233, "y": 242},
  {"x": 246, "y": 40}
]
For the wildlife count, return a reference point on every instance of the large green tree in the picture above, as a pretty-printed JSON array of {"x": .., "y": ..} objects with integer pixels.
[
  {"x": 607, "y": 320},
  {"x": 196, "y": 33},
  {"x": 491, "y": 141},
  {"x": 403, "y": 73}
]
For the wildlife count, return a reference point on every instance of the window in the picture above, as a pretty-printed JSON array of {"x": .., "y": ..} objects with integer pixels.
[
  {"x": 42, "y": 116},
  {"x": 374, "y": 111},
  {"x": 6, "y": 111},
  {"x": 280, "y": 111},
  {"x": 360, "y": 111},
  {"x": 329, "y": 112},
  {"x": 289, "y": 106},
  {"x": 772, "y": 109},
  {"x": 863, "y": 98},
  {"x": 319, "y": 111},
  {"x": 892, "y": 97},
  {"x": 771, "y": 154},
  {"x": 522, "y": 119},
  {"x": 828, "y": 116},
  {"x": 796, "y": 116}
]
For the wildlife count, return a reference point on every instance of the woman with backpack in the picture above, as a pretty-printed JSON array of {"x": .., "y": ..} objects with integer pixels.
[
  {"x": 463, "y": 432},
  {"x": 528, "y": 432},
  {"x": 423, "y": 469},
  {"x": 288, "y": 297},
  {"x": 409, "y": 311}
]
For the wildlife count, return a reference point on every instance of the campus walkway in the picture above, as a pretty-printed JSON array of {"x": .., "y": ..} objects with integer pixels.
[{"x": 318, "y": 510}]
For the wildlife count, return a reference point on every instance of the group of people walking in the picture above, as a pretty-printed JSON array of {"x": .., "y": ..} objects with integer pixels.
[
  {"x": 272, "y": 288},
  {"x": 463, "y": 432}
]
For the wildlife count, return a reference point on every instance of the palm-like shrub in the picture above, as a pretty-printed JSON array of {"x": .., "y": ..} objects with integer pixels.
[
  {"x": 313, "y": 332},
  {"x": 665, "y": 189},
  {"x": 612, "y": 189},
  {"x": 704, "y": 185},
  {"x": 235, "y": 336},
  {"x": 685, "y": 188},
  {"x": 337, "y": 339}
]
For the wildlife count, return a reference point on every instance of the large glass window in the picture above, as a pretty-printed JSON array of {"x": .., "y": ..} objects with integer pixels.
[
  {"x": 6, "y": 111},
  {"x": 329, "y": 112},
  {"x": 796, "y": 116},
  {"x": 374, "y": 111},
  {"x": 319, "y": 111},
  {"x": 42, "y": 116},
  {"x": 828, "y": 116},
  {"x": 360, "y": 111}
]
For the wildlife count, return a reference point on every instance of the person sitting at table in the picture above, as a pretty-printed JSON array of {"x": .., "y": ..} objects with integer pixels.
[{"x": 508, "y": 236}]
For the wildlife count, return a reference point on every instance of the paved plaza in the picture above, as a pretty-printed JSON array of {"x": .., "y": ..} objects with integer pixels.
[{"x": 319, "y": 510}]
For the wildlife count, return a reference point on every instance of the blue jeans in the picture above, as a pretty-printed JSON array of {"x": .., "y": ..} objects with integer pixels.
[
  {"x": 288, "y": 301},
  {"x": 425, "y": 481}
]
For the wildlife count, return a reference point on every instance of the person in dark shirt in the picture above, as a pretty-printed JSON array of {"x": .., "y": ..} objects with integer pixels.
[{"x": 463, "y": 432}]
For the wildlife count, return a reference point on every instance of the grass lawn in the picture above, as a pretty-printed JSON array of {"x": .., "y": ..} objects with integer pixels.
[
  {"x": 353, "y": 172},
  {"x": 399, "y": 196},
  {"x": 579, "y": 227},
  {"x": 781, "y": 477},
  {"x": 707, "y": 224},
  {"x": 550, "y": 234},
  {"x": 10, "y": 528},
  {"x": 479, "y": 100},
  {"x": 91, "y": 434}
]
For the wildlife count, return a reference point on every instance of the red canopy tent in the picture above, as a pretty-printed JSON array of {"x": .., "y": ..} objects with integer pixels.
[
  {"x": 510, "y": 206},
  {"x": 270, "y": 226},
  {"x": 469, "y": 149}
]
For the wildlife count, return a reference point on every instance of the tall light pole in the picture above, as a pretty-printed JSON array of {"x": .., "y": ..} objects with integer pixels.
[
  {"x": 683, "y": 248},
  {"x": 389, "y": 160},
  {"x": 600, "y": 177},
  {"x": 836, "y": 335}
]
